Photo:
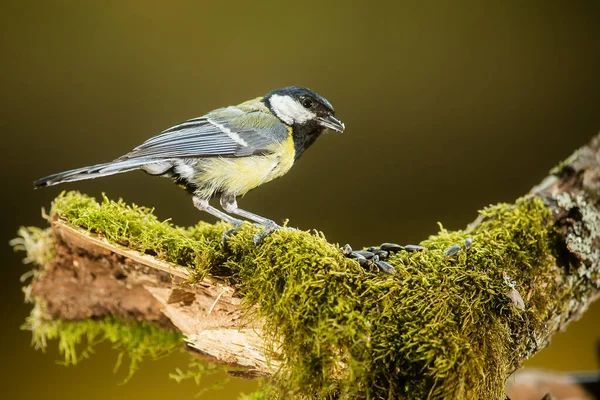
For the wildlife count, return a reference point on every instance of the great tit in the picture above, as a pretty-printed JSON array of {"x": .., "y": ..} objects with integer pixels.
[{"x": 227, "y": 152}]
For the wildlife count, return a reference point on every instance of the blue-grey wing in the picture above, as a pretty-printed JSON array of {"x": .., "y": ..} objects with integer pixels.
[{"x": 226, "y": 132}]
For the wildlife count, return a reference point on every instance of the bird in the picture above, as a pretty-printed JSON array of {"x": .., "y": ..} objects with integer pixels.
[{"x": 227, "y": 152}]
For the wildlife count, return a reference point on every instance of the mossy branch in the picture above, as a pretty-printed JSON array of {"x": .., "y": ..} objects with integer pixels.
[{"x": 296, "y": 308}]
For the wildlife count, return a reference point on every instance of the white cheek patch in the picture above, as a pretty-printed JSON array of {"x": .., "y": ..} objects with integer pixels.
[{"x": 290, "y": 110}]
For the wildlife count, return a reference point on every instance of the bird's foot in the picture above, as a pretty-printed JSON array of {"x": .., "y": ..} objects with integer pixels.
[
  {"x": 225, "y": 235},
  {"x": 267, "y": 229}
]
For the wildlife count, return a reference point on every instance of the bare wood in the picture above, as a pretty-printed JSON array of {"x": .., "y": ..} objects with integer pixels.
[{"x": 90, "y": 277}]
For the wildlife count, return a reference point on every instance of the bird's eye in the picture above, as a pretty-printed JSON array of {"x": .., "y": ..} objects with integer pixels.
[{"x": 307, "y": 103}]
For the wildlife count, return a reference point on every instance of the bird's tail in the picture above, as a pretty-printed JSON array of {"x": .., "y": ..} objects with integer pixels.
[{"x": 94, "y": 171}]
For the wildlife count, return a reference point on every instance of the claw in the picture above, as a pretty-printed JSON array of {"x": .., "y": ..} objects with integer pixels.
[
  {"x": 268, "y": 228},
  {"x": 225, "y": 235}
]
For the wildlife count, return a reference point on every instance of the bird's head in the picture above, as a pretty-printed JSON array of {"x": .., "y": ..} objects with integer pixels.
[{"x": 299, "y": 106}]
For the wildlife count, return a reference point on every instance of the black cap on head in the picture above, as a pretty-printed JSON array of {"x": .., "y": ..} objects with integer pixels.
[{"x": 304, "y": 96}]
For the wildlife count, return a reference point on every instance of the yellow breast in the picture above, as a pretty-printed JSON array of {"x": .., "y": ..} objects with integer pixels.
[{"x": 237, "y": 176}]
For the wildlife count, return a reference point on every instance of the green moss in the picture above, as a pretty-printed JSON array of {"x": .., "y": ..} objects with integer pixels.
[
  {"x": 441, "y": 327},
  {"x": 36, "y": 242},
  {"x": 77, "y": 339},
  {"x": 134, "y": 341},
  {"x": 429, "y": 330},
  {"x": 137, "y": 228}
]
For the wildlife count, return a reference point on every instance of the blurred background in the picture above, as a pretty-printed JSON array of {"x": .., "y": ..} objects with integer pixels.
[{"x": 449, "y": 106}]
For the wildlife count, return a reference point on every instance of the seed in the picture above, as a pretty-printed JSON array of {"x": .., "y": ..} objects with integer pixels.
[
  {"x": 468, "y": 243},
  {"x": 385, "y": 267},
  {"x": 413, "y": 248},
  {"x": 366, "y": 254},
  {"x": 359, "y": 257},
  {"x": 355, "y": 254},
  {"x": 392, "y": 247},
  {"x": 516, "y": 298},
  {"x": 383, "y": 255},
  {"x": 347, "y": 250},
  {"x": 452, "y": 250}
]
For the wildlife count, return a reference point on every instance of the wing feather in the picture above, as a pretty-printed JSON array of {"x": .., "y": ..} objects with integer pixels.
[{"x": 226, "y": 132}]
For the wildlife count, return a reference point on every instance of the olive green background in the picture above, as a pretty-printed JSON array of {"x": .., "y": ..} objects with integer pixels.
[{"x": 449, "y": 106}]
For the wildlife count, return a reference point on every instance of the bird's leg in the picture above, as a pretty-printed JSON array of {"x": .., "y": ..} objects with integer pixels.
[
  {"x": 202, "y": 204},
  {"x": 229, "y": 204}
]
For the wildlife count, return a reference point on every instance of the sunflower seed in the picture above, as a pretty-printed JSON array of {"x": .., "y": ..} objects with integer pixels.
[
  {"x": 452, "y": 250},
  {"x": 347, "y": 250},
  {"x": 413, "y": 248},
  {"x": 516, "y": 298},
  {"x": 468, "y": 243},
  {"x": 383, "y": 255},
  {"x": 366, "y": 254},
  {"x": 355, "y": 254},
  {"x": 392, "y": 247},
  {"x": 385, "y": 267}
]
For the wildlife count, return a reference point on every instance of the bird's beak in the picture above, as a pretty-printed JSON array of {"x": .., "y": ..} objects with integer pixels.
[{"x": 332, "y": 123}]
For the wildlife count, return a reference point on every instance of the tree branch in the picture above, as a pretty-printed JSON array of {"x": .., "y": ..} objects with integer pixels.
[{"x": 441, "y": 326}]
